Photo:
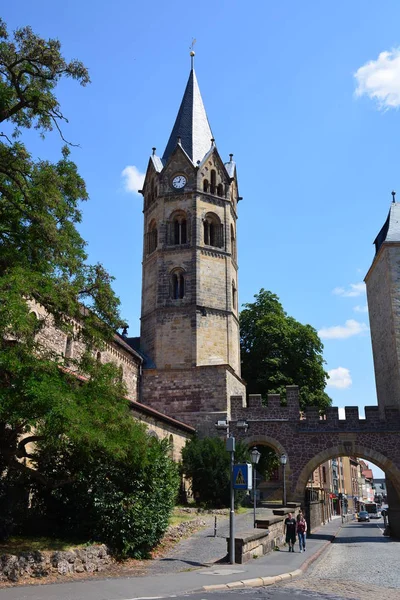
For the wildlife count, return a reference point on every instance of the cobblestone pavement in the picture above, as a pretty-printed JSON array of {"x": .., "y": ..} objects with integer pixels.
[{"x": 360, "y": 564}]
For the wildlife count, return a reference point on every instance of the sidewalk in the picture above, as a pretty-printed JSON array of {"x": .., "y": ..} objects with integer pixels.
[{"x": 199, "y": 571}]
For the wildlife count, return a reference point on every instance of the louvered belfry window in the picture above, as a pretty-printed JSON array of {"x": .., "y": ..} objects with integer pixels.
[
  {"x": 213, "y": 231},
  {"x": 179, "y": 231}
]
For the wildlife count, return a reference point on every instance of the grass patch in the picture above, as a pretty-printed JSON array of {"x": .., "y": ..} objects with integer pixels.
[{"x": 16, "y": 545}]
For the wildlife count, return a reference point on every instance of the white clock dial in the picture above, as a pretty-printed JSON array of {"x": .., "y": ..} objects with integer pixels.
[{"x": 179, "y": 182}]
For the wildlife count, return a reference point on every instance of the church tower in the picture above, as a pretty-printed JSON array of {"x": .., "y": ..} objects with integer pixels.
[
  {"x": 189, "y": 322},
  {"x": 383, "y": 292}
]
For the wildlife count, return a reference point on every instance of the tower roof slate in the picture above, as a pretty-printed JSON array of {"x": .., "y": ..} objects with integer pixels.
[
  {"x": 390, "y": 232},
  {"x": 191, "y": 124}
]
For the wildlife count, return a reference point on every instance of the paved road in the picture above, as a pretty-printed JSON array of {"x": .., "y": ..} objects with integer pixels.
[{"x": 360, "y": 564}]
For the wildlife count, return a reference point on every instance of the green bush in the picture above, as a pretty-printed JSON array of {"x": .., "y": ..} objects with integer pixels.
[
  {"x": 125, "y": 504},
  {"x": 207, "y": 463}
]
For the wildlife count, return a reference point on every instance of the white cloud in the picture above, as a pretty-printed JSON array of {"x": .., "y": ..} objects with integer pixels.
[
  {"x": 361, "y": 309},
  {"x": 133, "y": 179},
  {"x": 354, "y": 289},
  {"x": 337, "y": 332},
  {"x": 339, "y": 378},
  {"x": 380, "y": 79}
]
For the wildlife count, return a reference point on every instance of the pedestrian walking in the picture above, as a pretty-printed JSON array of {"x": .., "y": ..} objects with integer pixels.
[
  {"x": 301, "y": 529},
  {"x": 290, "y": 531}
]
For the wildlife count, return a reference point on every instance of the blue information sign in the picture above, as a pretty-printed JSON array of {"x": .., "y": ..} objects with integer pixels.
[{"x": 242, "y": 477}]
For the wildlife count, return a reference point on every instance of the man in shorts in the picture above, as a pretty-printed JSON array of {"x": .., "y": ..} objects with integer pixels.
[{"x": 290, "y": 531}]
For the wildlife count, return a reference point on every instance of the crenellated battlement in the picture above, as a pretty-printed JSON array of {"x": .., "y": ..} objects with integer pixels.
[{"x": 278, "y": 409}]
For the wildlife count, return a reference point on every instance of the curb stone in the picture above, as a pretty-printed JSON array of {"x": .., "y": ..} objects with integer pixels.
[{"x": 271, "y": 580}]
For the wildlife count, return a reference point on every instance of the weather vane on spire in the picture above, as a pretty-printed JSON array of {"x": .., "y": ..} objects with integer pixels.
[{"x": 192, "y": 52}]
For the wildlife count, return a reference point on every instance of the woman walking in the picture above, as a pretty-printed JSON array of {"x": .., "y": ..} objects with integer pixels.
[{"x": 301, "y": 529}]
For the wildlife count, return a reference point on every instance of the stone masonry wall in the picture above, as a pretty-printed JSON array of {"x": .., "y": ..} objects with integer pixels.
[
  {"x": 37, "y": 564},
  {"x": 161, "y": 429},
  {"x": 309, "y": 440},
  {"x": 197, "y": 396},
  {"x": 56, "y": 340},
  {"x": 383, "y": 283}
]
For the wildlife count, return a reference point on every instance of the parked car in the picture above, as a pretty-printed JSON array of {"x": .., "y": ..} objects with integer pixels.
[{"x": 363, "y": 516}]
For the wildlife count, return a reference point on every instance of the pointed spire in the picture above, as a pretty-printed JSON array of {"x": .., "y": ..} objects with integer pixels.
[{"x": 191, "y": 124}]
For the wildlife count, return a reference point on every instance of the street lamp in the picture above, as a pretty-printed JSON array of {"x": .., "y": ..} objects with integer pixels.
[
  {"x": 255, "y": 457},
  {"x": 283, "y": 460}
]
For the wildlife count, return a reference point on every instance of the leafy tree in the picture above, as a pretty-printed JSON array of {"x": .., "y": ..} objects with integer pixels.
[
  {"x": 277, "y": 350},
  {"x": 207, "y": 463},
  {"x": 43, "y": 260}
]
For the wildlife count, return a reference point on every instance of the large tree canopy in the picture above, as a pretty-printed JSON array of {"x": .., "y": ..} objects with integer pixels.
[
  {"x": 277, "y": 350},
  {"x": 43, "y": 260}
]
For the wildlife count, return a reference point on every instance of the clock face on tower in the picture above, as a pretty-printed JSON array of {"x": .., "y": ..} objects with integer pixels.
[{"x": 179, "y": 181}]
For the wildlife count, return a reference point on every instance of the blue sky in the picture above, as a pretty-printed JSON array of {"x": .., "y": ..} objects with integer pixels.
[{"x": 304, "y": 94}]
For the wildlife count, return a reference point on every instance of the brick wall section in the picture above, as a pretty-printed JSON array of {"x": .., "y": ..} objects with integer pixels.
[{"x": 383, "y": 284}]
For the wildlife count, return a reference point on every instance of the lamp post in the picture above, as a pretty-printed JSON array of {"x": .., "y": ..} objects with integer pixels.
[
  {"x": 255, "y": 457},
  {"x": 283, "y": 460}
]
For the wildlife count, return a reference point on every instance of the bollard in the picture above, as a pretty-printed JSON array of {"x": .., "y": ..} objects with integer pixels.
[{"x": 215, "y": 526}]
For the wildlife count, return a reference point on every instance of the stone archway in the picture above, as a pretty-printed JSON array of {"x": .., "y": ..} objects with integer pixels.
[
  {"x": 392, "y": 471},
  {"x": 270, "y": 488},
  {"x": 265, "y": 440}
]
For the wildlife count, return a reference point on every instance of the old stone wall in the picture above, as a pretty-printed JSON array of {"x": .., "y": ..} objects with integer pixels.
[
  {"x": 37, "y": 564},
  {"x": 72, "y": 347},
  {"x": 197, "y": 396},
  {"x": 158, "y": 426}
]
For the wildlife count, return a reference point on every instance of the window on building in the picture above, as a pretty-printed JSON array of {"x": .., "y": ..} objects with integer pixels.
[
  {"x": 152, "y": 238},
  {"x": 233, "y": 243},
  {"x": 206, "y": 185},
  {"x": 177, "y": 284},
  {"x": 213, "y": 185},
  {"x": 220, "y": 189},
  {"x": 98, "y": 357},
  {"x": 324, "y": 474},
  {"x": 179, "y": 230},
  {"x": 213, "y": 232},
  {"x": 171, "y": 446},
  {"x": 234, "y": 296}
]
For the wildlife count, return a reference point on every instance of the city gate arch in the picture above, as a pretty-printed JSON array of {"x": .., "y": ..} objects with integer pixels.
[{"x": 308, "y": 439}]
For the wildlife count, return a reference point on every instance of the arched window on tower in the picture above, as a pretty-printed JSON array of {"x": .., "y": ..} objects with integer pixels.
[
  {"x": 205, "y": 185},
  {"x": 152, "y": 237},
  {"x": 179, "y": 229},
  {"x": 220, "y": 189},
  {"x": 213, "y": 231},
  {"x": 233, "y": 243},
  {"x": 177, "y": 284},
  {"x": 213, "y": 182},
  {"x": 234, "y": 296}
]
